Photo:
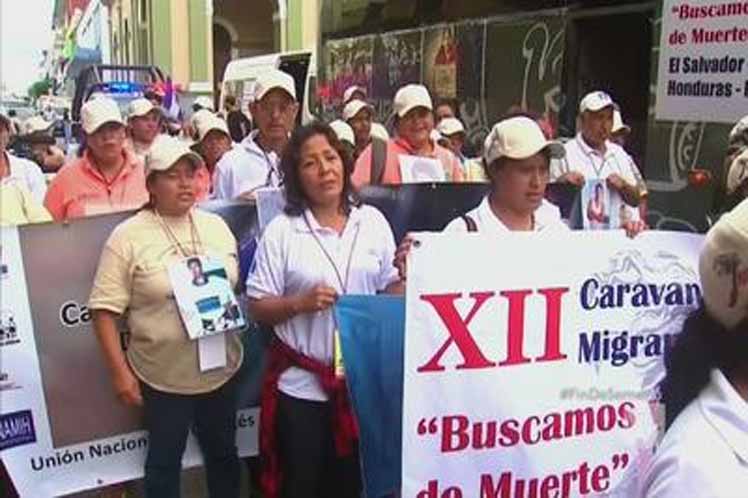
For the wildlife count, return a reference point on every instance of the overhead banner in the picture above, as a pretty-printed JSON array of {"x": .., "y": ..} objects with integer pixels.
[
  {"x": 702, "y": 70},
  {"x": 62, "y": 429},
  {"x": 532, "y": 373}
]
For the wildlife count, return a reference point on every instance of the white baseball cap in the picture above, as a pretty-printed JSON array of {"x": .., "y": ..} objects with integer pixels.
[
  {"x": 722, "y": 257},
  {"x": 739, "y": 128},
  {"x": 618, "y": 124},
  {"x": 165, "y": 152},
  {"x": 518, "y": 138},
  {"x": 450, "y": 126},
  {"x": 199, "y": 116},
  {"x": 348, "y": 93},
  {"x": 139, "y": 107},
  {"x": 211, "y": 123},
  {"x": 36, "y": 124},
  {"x": 354, "y": 107},
  {"x": 344, "y": 131},
  {"x": 205, "y": 102},
  {"x": 738, "y": 172},
  {"x": 98, "y": 112},
  {"x": 272, "y": 79},
  {"x": 409, "y": 97},
  {"x": 595, "y": 101},
  {"x": 378, "y": 131}
]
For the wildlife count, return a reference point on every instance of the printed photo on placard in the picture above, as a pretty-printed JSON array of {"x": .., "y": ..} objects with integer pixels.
[
  {"x": 601, "y": 208},
  {"x": 206, "y": 301},
  {"x": 417, "y": 169}
]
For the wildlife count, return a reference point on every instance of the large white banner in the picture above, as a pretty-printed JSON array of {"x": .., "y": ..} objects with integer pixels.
[
  {"x": 702, "y": 72},
  {"x": 532, "y": 363},
  {"x": 62, "y": 429}
]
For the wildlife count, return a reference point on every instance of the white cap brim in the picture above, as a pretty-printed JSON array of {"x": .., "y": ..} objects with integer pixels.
[
  {"x": 354, "y": 107},
  {"x": 213, "y": 127}
]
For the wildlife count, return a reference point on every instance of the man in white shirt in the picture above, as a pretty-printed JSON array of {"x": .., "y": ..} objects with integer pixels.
[
  {"x": 592, "y": 156},
  {"x": 14, "y": 168},
  {"x": 255, "y": 162}
]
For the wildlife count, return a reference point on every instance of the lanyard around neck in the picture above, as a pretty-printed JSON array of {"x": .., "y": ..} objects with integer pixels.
[
  {"x": 598, "y": 170},
  {"x": 174, "y": 240},
  {"x": 342, "y": 281}
]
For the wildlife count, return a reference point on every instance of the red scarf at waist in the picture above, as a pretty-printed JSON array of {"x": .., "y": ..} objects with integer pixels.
[{"x": 345, "y": 429}]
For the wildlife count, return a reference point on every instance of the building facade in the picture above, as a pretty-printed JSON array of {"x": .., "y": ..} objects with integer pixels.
[{"x": 175, "y": 35}]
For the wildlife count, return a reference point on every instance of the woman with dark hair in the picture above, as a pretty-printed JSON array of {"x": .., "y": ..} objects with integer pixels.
[
  {"x": 163, "y": 370},
  {"x": 705, "y": 450},
  {"x": 324, "y": 245}
]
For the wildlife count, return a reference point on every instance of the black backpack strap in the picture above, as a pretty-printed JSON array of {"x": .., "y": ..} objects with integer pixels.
[
  {"x": 470, "y": 222},
  {"x": 378, "y": 160}
]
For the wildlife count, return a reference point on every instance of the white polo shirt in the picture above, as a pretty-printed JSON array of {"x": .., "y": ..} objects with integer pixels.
[
  {"x": 246, "y": 168},
  {"x": 593, "y": 165},
  {"x": 547, "y": 218},
  {"x": 289, "y": 262},
  {"x": 704, "y": 454},
  {"x": 29, "y": 174}
]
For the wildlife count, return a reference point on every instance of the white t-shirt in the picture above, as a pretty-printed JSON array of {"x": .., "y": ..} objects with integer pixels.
[
  {"x": 245, "y": 169},
  {"x": 547, "y": 218},
  {"x": 593, "y": 165},
  {"x": 29, "y": 174},
  {"x": 289, "y": 262},
  {"x": 704, "y": 454}
]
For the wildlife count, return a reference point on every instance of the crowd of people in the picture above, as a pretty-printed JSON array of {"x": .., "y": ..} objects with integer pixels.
[{"x": 326, "y": 244}]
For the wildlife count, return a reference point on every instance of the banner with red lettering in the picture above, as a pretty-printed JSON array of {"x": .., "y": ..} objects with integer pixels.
[{"x": 532, "y": 363}]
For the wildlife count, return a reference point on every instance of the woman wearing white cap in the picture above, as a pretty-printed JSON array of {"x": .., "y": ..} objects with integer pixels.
[
  {"x": 413, "y": 150},
  {"x": 516, "y": 158},
  {"x": 359, "y": 115},
  {"x": 143, "y": 126},
  {"x": 345, "y": 134},
  {"x": 164, "y": 370},
  {"x": 705, "y": 450},
  {"x": 213, "y": 141},
  {"x": 324, "y": 245}
]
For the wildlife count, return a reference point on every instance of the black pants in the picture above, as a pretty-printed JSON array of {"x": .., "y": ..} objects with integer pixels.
[
  {"x": 169, "y": 418},
  {"x": 310, "y": 467}
]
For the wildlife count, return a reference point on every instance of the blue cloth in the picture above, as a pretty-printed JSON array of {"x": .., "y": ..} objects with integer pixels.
[{"x": 372, "y": 340}]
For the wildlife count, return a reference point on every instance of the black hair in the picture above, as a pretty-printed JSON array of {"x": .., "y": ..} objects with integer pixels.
[
  {"x": 703, "y": 345},
  {"x": 296, "y": 199},
  {"x": 194, "y": 261},
  {"x": 452, "y": 103}
]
